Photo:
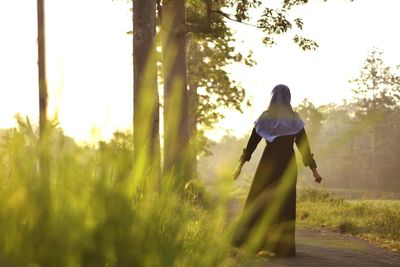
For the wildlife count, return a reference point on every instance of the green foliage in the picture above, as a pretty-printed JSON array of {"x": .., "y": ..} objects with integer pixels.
[
  {"x": 96, "y": 214},
  {"x": 274, "y": 21},
  {"x": 375, "y": 220},
  {"x": 288, "y": 4},
  {"x": 210, "y": 81},
  {"x": 304, "y": 43},
  {"x": 209, "y": 50},
  {"x": 242, "y": 8}
]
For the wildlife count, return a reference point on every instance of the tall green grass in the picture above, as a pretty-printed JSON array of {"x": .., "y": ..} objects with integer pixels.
[
  {"x": 375, "y": 220},
  {"x": 96, "y": 213}
]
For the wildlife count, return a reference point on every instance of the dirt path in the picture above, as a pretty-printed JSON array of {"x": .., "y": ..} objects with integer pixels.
[{"x": 321, "y": 247}]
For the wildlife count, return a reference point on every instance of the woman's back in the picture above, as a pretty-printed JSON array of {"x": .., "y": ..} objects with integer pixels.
[{"x": 282, "y": 146}]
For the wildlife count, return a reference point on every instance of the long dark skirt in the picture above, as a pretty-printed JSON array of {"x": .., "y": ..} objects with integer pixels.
[{"x": 268, "y": 219}]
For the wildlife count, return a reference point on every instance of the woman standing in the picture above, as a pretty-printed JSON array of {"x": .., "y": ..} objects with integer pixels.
[{"x": 268, "y": 220}]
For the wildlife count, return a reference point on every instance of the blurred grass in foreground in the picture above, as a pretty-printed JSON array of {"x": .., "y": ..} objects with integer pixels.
[
  {"x": 377, "y": 221},
  {"x": 98, "y": 215}
]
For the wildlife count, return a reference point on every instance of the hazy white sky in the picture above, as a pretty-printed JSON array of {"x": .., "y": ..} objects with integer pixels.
[{"x": 90, "y": 70}]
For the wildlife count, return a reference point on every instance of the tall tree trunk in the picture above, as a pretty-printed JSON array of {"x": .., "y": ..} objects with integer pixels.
[
  {"x": 43, "y": 124},
  {"x": 42, "y": 187},
  {"x": 42, "y": 69},
  {"x": 145, "y": 96},
  {"x": 176, "y": 128}
]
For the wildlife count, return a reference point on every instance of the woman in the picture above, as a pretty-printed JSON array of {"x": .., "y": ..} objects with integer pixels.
[{"x": 268, "y": 220}]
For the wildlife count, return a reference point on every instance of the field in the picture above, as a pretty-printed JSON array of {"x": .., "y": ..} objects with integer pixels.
[
  {"x": 92, "y": 210},
  {"x": 377, "y": 221}
]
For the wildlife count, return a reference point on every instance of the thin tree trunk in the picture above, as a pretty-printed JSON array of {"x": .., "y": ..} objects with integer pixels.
[
  {"x": 42, "y": 187},
  {"x": 352, "y": 156},
  {"x": 42, "y": 69},
  {"x": 146, "y": 98},
  {"x": 193, "y": 107},
  {"x": 375, "y": 160},
  {"x": 176, "y": 128},
  {"x": 43, "y": 124}
]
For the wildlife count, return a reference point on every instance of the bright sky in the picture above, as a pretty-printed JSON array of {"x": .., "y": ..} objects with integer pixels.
[{"x": 90, "y": 69}]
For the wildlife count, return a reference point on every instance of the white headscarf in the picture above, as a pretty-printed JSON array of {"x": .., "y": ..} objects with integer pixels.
[{"x": 279, "y": 119}]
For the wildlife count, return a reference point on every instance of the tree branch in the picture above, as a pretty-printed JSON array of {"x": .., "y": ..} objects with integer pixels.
[{"x": 232, "y": 19}]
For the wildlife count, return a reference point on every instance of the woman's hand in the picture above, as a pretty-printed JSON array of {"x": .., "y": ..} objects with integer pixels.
[
  {"x": 238, "y": 170},
  {"x": 316, "y": 175}
]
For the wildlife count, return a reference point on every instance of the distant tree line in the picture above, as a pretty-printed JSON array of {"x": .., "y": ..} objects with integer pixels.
[{"x": 358, "y": 141}]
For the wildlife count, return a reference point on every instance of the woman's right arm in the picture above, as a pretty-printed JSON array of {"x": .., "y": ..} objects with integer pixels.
[
  {"x": 247, "y": 152},
  {"x": 251, "y": 146}
]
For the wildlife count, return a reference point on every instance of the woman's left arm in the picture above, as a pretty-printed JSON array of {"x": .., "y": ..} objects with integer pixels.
[{"x": 305, "y": 151}]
